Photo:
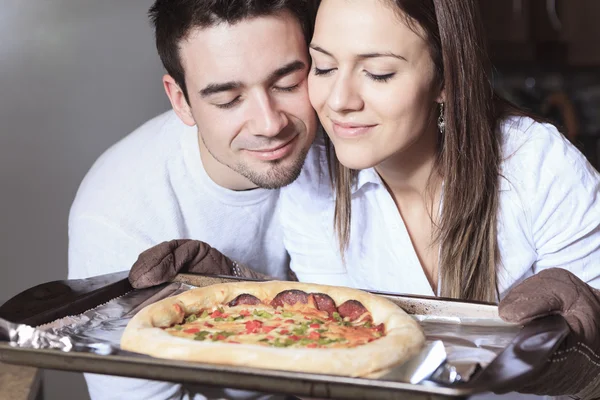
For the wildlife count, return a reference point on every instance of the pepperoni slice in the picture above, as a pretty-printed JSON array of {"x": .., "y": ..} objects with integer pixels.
[
  {"x": 352, "y": 309},
  {"x": 244, "y": 299},
  {"x": 290, "y": 297},
  {"x": 324, "y": 303}
]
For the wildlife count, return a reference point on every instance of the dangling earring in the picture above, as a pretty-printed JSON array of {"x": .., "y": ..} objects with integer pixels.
[{"x": 441, "y": 123}]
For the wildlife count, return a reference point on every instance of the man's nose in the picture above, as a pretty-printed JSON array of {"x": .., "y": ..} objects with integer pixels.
[
  {"x": 267, "y": 118},
  {"x": 344, "y": 96}
]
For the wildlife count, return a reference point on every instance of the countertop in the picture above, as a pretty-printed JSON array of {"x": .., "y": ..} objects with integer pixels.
[{"x": 20, "y": 383}]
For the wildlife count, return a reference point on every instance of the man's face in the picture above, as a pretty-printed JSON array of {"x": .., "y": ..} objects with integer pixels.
[{"x": 247, "y": 86}]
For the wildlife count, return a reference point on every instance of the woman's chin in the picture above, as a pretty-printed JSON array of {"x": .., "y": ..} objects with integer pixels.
[{"x": 354, "y": 161}]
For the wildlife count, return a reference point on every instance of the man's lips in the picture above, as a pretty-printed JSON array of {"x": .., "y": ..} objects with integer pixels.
[
  {"x": 275, "y": 153},
  {"x": 350, "y": 129}
]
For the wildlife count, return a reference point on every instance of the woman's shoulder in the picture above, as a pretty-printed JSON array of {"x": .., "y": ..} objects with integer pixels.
[
  {"x": 313, "y": 185},
  {"x": 537, "y": 150}
]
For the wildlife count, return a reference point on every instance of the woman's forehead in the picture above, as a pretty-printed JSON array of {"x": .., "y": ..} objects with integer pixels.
[{"x": 364, "y": 26}]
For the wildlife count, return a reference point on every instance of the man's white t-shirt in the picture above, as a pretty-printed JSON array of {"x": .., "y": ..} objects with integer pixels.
[
  {"x": 549, "y": 216},
  {"x": 151, "y": 187}
]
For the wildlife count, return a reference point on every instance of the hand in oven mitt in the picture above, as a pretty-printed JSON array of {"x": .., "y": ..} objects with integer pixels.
[
  {"x": 160, "y": 264},
  {"x": 574, "y": 368}
]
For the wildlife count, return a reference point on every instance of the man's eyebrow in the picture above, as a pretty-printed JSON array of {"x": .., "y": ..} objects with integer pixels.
[
  {"x": 213, "y": 88},
  {"x": 286, "y": 70},
  {"x": 366, "y": 55}
]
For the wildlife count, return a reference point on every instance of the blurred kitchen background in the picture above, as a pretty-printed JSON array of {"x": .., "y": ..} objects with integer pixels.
[
  {"x": 547, "y": 59},
  {"x": 75, "y": 77},
  {"x": 78, "y": 75}
]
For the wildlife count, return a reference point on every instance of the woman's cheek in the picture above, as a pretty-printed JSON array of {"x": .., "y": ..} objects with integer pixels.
[{"x": 316, "y": 91}]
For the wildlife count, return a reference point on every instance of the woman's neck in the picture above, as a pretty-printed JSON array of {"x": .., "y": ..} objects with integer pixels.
[
  {"x": 415, "y": 185},
  {"x": 412, "y": 171}
]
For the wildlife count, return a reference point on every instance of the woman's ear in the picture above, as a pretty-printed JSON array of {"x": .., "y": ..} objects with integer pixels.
[
  {"x": 178, "y": 100},
  {"x": 441, "y": 97}
]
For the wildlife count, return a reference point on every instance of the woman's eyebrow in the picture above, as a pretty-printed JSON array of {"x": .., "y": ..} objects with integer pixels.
[
  {"x": 362, "y": 56},
  {"x": 385, "y": 54},
  {"x": 320, "y": 50}
]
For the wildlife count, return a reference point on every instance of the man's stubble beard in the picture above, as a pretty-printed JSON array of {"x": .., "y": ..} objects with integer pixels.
[{"x": 278, "y": 176}]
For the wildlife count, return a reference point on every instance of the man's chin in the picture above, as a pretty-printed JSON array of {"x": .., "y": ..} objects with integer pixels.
[{"x": 274, "y": 174}]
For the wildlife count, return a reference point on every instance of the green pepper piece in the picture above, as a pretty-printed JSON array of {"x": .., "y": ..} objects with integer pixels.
[{"x": 191, "y": 318}]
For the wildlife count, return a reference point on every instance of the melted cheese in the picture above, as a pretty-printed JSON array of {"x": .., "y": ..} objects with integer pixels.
[{"x": 300, "y": 325}]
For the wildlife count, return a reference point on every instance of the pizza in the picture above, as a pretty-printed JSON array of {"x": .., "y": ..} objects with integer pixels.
[{"x": 277, "y": 325}]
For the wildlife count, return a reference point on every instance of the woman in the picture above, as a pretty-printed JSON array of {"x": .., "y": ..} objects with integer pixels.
[{"x": 428, "y": 183}]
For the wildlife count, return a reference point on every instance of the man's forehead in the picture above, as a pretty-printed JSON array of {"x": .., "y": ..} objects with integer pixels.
[{"x": 248, "y": 50}]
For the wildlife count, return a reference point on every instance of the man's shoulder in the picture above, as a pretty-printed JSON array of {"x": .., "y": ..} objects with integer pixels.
[
  {"x": 153, "y": 141},
  {"x": 134, "y": 168},
  {"x": 313, "y": 188}
]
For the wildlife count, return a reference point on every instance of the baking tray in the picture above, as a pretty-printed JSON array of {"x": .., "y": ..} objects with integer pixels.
[{"x": 48, "y": 302}]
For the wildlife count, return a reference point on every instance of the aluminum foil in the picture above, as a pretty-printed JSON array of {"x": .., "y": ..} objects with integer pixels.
[{"x": 469, "y": 344}]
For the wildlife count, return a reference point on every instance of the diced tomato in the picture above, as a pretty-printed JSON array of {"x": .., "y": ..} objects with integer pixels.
[
  {"x": 284, "y": 331},
  {"x": 314, "y": 335},
  {"x": 316, "y": 326},
  {"x": 191, "y": 330},
  {"x": 208, "y": 325},
  {"x": 221, "y": 337},
  {"x": 309, "y": 318},
  {"x": 311, "y": 345},
  {"x": 245, "y": 313},
  {"x": 267, "y": 328},
  {"x": 277, "y": 319},
  {"x": 270, "y": 337},
  {"x": 216, "y": 314},
  {"x": 277, "y": 312},
  {"x": 295, "y": 338},
  {"x": 253, "y": 326},
  {"x": 289, "y": 321}
]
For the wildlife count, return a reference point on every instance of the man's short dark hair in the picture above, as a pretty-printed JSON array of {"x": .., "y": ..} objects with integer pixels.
[{"x": 174, "y": 19}]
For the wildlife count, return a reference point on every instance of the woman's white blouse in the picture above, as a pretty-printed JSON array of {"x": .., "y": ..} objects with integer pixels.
[{"x": 549, "y": 216}]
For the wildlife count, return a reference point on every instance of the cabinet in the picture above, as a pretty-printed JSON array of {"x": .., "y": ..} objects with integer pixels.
[
  {"x": 561, "y": 32},
  {"x": 580, "y": 23}
]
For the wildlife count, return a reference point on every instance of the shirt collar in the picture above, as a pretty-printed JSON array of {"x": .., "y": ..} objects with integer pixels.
[
  {"x": 365, "y": 177},
  {"x": 369, "y": 175}
]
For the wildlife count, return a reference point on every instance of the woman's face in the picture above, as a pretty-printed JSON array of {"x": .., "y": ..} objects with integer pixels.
[{"x": 372, "y": 84}]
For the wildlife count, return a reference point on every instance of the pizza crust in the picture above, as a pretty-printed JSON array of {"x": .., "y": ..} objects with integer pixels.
[{"x": 403, "y": 338}]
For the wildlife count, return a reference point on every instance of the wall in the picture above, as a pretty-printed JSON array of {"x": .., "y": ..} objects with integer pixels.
[{"x": 75, "y": 77}]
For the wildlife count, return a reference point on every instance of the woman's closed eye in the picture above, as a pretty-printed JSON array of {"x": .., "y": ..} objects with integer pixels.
[
  {"x": 375, "y": 77},
  {"x": 380, "y": 77},
  {"x": 324, "y": 71}
]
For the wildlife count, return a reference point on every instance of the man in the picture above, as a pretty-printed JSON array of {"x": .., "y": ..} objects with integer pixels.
[{"x": 241, "y": 126}]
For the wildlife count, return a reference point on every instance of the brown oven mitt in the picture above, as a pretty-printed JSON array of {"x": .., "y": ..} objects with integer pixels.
[
  {"x": 160, "y": 264},
  {"x": 574, "y": 368}
]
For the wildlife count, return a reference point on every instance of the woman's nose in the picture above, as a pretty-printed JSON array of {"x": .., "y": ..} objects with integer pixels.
[{"x": 344, "y": 95}]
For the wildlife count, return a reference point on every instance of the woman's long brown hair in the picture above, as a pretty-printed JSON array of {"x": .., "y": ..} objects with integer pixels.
[{"x": 469, "y": 149}]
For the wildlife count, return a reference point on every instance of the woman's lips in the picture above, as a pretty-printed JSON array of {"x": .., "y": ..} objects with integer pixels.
[
  {"x": 275, "y": 153},
  {"x": 350, "y": 129}
]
